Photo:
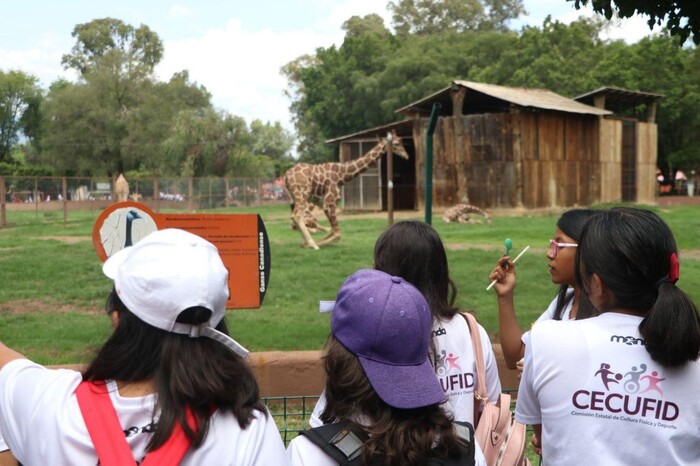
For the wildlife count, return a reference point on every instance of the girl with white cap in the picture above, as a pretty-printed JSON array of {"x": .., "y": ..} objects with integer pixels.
[{"x": 169, "y": 380}]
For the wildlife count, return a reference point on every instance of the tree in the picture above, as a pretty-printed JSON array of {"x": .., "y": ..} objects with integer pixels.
[
  {"x": 681, "y": 17},
  {"x": 433, "y": 16},
  {"x": 20, "y": 99},
  {"x": 116, "y": 62},
  {"x": 272, "y": 141},
  {"x": 111, "y": 43},
  {"x": 215, "y": 143},
  {"x": 330, "y": 90}
]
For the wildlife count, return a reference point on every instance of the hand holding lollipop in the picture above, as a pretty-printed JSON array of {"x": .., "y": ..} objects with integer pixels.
[{"x": 509, "y": 245}]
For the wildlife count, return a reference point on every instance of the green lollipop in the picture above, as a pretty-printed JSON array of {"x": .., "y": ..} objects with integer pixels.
[{"x": 509, "y": 246}]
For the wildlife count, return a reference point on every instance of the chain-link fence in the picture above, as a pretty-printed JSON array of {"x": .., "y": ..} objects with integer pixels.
[
  {"x": 76, "y": 193},
  {"x": 292, "y": 413}
]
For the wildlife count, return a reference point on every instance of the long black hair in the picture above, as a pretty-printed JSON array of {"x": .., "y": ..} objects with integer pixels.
[
  {"x": 198, "y": 373},
  {"x": 397, "y": 437},
  {"x": 631, "y": 251},
  {"x": 571, "y": 223},
  {"x": 414, "y": 251}
]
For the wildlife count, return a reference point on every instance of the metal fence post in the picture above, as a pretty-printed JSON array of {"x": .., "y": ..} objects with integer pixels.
[
  {"x": 189, "y": 193},
  {"x": 64, "y": 189},
  {"x": 3, "y": 196}
]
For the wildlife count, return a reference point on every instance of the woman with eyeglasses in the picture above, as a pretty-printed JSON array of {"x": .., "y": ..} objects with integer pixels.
[
  {"x": 619, "y": 388},
  {"x": 569, "y": 302}
]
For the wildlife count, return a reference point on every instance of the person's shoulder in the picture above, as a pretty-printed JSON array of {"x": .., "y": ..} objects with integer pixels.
[{"x": 302, "y": 451}]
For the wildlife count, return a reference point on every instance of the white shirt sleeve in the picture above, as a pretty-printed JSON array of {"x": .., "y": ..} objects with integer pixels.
[
  {"x": 263, "y": 444},
  {"x": 527, "y": 406},
  {"x": 303, "y": 452},
  {"x": 315, "y": 418}
]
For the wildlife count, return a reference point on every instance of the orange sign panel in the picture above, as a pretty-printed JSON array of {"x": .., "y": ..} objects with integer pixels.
[{"x": 241, "y": 239}]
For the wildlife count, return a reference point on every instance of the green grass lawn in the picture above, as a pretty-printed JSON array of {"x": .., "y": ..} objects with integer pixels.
[{"x": 52, "y": 289}]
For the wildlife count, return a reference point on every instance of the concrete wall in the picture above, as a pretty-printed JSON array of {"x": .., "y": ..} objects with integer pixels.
[{"x": 296, "y": 373}]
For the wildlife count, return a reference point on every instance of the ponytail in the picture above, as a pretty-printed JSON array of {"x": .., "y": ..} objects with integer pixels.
[
  {"x": 671, "y": 328},
  {"x": 635, "y": 255}
]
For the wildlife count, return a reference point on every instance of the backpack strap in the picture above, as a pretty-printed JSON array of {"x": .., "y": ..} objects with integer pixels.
[
  {"x": 480, "y": 392},
  {"x": 108, "y": 437},
  {"x": 340, "y": 442}
]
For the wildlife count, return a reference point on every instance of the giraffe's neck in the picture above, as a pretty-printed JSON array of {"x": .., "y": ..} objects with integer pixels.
[{"x": 352, "y": 169}]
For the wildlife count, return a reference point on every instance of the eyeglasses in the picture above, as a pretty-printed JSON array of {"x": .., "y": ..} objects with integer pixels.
[{"x": 554, "y": 246}]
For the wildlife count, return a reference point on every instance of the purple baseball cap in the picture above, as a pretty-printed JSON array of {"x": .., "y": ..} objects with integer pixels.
[{"x": 385, "y": 321}]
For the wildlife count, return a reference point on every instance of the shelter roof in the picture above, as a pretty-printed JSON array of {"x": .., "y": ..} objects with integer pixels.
[
  {"x": 403, "y": 128},
  {"x": 617, "y": 99},
  {"x": 484, "y": 98}
]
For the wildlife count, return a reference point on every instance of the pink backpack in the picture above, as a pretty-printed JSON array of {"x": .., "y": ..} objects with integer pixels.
[{"x": 499, "y": 435}]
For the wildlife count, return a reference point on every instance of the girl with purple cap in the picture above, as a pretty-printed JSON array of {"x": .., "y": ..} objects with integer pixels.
[
  {"x": 620, "y": 388},
  {"x": 383, "y": 400},
  {"x": 414, "y": 251}
]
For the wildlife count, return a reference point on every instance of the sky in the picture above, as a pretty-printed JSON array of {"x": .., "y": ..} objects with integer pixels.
[{"x": 234, "y": 48}]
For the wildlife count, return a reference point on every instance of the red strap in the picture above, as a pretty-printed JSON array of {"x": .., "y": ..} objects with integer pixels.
[
  {"x": 108, "y": 437},
  {"x": 103, "y": 425},
  {"x": 175, "y": 448}
]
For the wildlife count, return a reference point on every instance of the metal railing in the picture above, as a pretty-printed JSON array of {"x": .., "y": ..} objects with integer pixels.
[
  {"x": 292, "y": 413},
  {"x": 64, "y": 194}
]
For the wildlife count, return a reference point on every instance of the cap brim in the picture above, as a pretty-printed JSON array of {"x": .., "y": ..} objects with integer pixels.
[
  {"x": 404, "y": 387},
  {"x": 111, "y": 265}
]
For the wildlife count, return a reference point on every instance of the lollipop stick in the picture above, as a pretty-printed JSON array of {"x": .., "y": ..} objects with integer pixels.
[{"x": 514, "y": 261}]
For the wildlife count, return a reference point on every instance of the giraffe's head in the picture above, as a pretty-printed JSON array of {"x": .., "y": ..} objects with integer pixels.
[{"x": 397, "y": 147}]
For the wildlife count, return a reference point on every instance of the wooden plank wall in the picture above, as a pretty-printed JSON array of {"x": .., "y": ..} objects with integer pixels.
[
  {"x": 560, "y": 159},
  {"x": 610, "y": 161},
  {"x": 534, "y": 160},
  {"x": 647, "y": 138}
]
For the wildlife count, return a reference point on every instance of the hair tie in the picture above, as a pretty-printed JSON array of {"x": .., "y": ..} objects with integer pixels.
[{"x": 675, "y": 270}]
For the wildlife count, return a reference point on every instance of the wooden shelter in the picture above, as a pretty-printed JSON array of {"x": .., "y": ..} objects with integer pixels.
[{"x": 496, "y": 146}]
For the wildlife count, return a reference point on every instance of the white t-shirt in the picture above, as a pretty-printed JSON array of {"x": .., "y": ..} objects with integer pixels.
[
  {"x": 303, "y": 452},
  {"x": 548, "y": 314},
  {"x": 455, "y": 368},
  {"x": 42, "y": 424},
  {"x": 601, "y": 399},
  {"x": 565, "y": 312}
]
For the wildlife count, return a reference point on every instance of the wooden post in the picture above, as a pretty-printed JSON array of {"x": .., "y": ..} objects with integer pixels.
[
  {"x": 390, "y": 178},
  {"x": 156, "y": 194},
  {"x": 36, "y": 196},
  {"x": 190, "y": 189},
  {"x": 226, "y": 187},
  {"x": 3, "y": 195},
  {"x": 64, "y": 190}
]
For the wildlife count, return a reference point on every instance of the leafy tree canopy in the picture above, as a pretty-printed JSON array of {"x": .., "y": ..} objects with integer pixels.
[
  {"x": 20, "y": 99},
  {"x": 112, "y": 43},
  {"x": 681, "y": 17},
  {"x": 434, "y": 16}
]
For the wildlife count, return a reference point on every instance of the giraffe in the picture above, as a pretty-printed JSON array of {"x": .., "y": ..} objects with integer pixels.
[
  {"x": 319, "y": 184},
  {"x": 121, "y": 189},
  {"x": 460, "y": 214}
]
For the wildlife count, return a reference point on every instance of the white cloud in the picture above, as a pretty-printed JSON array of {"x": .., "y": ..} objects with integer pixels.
[
  {"x": 179, "y": 11},
  {"x": 43, "y": 59},
  {"x": 241, "y": 68}
]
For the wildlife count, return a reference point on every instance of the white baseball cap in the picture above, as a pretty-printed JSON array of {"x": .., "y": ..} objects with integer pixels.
[{"x": 167, "y": 272}]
